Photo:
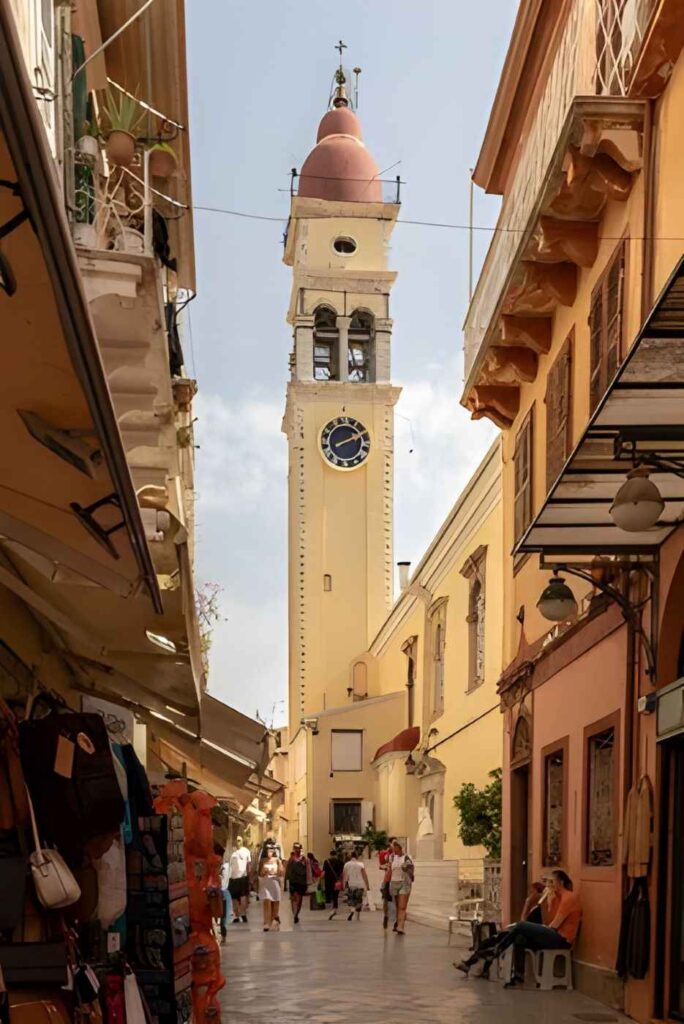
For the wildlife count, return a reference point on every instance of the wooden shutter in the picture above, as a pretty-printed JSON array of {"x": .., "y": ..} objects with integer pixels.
[
  {"x": 523, "y": 478},
  {"x": 613, "y": 305},
  {"x": 558, "y": 402},
  {"x": 605, "y": 326},
  {"x": 596, "y": 347}
]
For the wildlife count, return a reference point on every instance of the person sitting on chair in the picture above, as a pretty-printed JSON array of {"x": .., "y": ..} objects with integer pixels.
[
  {"x": 564, "y": 915},
  {"x": 531, "y": 911}
]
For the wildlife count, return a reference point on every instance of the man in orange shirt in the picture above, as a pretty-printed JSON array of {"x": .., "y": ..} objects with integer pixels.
[{"x": 564, "y": 915}]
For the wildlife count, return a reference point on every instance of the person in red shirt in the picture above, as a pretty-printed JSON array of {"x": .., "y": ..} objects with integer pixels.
[{"x": 562, "y": 911}]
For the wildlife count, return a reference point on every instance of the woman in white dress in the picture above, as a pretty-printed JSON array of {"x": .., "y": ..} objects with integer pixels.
[{"x": 270, "y": 872}]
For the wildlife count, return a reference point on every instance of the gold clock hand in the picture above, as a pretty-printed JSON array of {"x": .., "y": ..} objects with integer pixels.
[{"x": 354, "y": 437}]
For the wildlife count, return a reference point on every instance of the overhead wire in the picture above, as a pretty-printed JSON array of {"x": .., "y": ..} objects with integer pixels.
[{"x": 493, "y": 229}]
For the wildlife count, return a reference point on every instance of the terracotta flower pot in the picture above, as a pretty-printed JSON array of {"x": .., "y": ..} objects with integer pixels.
[
  {"x": 121, "y": 148},
  {"x": 162, "y": 163}
]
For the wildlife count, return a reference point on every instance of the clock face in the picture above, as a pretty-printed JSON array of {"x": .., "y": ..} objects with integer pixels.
[{"x": 345, "y": 443}]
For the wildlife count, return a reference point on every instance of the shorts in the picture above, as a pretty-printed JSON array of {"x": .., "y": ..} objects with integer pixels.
[
  {"x": 238, "y": 888},
  {"x": 298, "y": 888},
  {"x": 400, "y": 888}
]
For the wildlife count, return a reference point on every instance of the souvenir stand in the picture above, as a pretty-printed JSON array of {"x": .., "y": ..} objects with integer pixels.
[{"x": 104, "y": 894}]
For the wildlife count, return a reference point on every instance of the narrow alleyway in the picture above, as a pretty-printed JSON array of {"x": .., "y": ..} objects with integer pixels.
[{"x": 325, "y": 972}]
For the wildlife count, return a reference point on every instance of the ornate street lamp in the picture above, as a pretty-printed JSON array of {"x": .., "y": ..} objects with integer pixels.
[
  {"x": 638, "y": 504},
  {"x": 557, "y": 602}
]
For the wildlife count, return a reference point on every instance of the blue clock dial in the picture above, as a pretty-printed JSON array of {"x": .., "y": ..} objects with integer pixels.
[{"x": 345, "y": 443}]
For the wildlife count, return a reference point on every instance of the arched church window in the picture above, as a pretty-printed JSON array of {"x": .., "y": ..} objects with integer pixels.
[
  {"x": 361, "y": 334},
  {"x": 438, "y": 645},
  {"x": 360, "y": 679},
  {"x": 326, "y": 341}
]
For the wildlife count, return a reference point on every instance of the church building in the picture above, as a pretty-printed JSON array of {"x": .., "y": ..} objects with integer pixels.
[{"x": 373, "y": 684}]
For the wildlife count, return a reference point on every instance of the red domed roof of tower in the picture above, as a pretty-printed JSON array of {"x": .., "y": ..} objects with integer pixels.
[{"x": 339, "y": 167}]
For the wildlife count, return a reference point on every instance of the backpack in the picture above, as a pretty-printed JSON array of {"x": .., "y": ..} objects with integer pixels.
[
  {"x": 409, "y": 869},
  {"x": 70, "y": 774}
]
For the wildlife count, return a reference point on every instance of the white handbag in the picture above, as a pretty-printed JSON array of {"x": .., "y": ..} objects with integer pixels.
[{"x": 55, "y": 885}]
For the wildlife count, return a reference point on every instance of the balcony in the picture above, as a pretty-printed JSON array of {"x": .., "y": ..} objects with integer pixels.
[{"x": 582, "y": 149}]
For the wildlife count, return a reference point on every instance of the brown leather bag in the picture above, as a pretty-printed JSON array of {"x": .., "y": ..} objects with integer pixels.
[{"x": 31, "y": 1008}]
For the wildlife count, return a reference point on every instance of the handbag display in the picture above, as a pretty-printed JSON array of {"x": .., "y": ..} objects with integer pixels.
[
  {"x": 13, "y": 871},
  {"x": 55, "y": 885},
  {"x": 68, "y": 767},
  {"x": 30, "y": 964},
  {"x": 27, "y": 1008}
]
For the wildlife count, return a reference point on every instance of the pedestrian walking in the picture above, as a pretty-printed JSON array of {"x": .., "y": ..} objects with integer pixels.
[
  {"x": 240, "y": 862},
  {"x": 316, "y": 869},
  {"x": 299, "y": 877},
  {"x": 384, "y": 857},
  {"x": 227, "y": 899},
  {"x": 332, "y": 877},
  {"x": 401, "y": 872},
  {"x": 270, "y": 874},
  {"x": 355, "y": 880}
]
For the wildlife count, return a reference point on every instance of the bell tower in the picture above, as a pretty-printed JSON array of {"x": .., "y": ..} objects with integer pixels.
[{"x": 339, "y": 416}]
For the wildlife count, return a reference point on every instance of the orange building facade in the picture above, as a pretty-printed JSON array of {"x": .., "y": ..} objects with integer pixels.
[{"x": 574, "y": 346}]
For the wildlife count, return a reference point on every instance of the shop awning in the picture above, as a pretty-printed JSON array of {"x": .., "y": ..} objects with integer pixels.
[{"x": 639, "y": 420}]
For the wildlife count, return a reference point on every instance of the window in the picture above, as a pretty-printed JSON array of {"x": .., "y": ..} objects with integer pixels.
[
  {"x": 326, "y": 343},
  {"x": 605, "y": 326},
  {"x": 360, "y": 347},
  {"x": 558, "y": 403},
  {"x": 437, "y": 649},
  {"x": 346, "y": 817},
  {"x": 410, "y": 649},
  {"x": 346, "y": 750},
  {"x": 601, "y": 794},
  {"x": 522, "y": 461},
  {"x": 344, "y": 246},
  {"x": 521, "y": 747},
  {"x": 360, "y": 679},
  {"x": 554, "y": 807},
  {"x": 474, "y": 571}
]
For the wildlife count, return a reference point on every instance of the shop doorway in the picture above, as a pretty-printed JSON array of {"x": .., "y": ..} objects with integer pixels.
[
  {"x": 520, "y": 825},
  {"x": 674, "y": 753}
]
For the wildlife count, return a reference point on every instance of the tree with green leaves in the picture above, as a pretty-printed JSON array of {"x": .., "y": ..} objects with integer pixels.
[
  {"x": 480, "y": 814},
  {"x": 373, "y": 838}
]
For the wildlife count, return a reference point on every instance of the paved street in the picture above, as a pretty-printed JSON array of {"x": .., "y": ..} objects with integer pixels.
[{"x": 332, "y": 972}]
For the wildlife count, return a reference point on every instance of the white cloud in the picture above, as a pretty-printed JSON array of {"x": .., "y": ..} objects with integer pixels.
[
  {"x": 243, "y": 455},
  {"x": 437, "y": 449}
]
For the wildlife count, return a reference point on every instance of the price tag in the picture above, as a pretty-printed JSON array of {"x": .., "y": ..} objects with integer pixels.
[
  {"x": 64, "y": 757},
  {"x": 113, "y": 942}
]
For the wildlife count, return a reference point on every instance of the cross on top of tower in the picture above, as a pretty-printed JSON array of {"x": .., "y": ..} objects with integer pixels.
[
  {"x": 339, "y": 98},
  {"x": 340, "y": 47}
]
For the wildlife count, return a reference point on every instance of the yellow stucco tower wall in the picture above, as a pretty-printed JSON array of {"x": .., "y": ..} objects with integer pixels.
[{"x": 340, "y": 519}]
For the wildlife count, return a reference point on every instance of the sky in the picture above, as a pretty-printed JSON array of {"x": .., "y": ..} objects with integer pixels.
[{"x": 259, "y": 78}]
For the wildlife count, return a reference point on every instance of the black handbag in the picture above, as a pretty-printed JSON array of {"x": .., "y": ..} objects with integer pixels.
[
  {"x": 85, "y": 802},
  {"x": 29, "y": 964},
  {"x": 13, "y": 869}
]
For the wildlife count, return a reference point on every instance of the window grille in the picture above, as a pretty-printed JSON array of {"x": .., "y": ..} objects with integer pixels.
[
  {"x": 554, "y": 797},
  {"x": 620, "y": 29},
  {"x": 601, "y": 799}
]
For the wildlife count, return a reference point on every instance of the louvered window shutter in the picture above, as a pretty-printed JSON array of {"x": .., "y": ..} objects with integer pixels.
[
  {"x": 605, "y": 325},
  {"x": 523, "y": 481},
  {"x": 558, "y": 413}
]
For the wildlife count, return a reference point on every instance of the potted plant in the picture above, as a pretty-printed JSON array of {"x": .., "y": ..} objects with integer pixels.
[
  {"x": 162, "y": 160},
  {"x": 125, "y": 117},
  {"x": 89, "y": 143}
]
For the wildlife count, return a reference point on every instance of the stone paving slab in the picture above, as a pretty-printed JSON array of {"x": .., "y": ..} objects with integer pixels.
[{"x": 332, "y": 972}]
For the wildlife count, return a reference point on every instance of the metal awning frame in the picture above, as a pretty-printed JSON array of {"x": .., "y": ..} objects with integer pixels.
[{"x": 637, "y": 422}]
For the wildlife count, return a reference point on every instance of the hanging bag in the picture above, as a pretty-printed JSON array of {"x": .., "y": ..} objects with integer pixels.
[
  {"x": 68, "y": 766},
  {"x": 55, "y": 885}
]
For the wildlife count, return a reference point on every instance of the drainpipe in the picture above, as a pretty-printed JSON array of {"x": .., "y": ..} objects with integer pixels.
[{"x": 650, "y": 191}]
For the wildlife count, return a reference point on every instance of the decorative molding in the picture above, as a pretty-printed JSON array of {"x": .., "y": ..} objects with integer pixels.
[
  {"x": 557, "y": 241},
  {"x": 509, "y": 365},
  {"x": 534, "y": 332},
  {"x": 500, "y": 404},
  {"x": 540, "y": 287}
]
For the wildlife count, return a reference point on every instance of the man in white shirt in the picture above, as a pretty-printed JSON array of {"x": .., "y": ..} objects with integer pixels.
[{"x": 239, "y": 863}]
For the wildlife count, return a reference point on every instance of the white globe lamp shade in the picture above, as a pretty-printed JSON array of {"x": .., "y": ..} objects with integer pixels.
[
  {"x": 638, "y": 504},
  {"x": 557, "y": 602}
]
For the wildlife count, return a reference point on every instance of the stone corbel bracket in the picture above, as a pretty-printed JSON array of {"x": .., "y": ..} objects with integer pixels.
[{"x": 596, "y": 161}]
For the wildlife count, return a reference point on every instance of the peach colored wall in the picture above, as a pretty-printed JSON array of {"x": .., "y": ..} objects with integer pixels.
[{"x": 586, "y": 691}]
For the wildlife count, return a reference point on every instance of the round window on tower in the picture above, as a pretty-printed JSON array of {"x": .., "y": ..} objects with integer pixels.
[{"x": 344, "y": 246}]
